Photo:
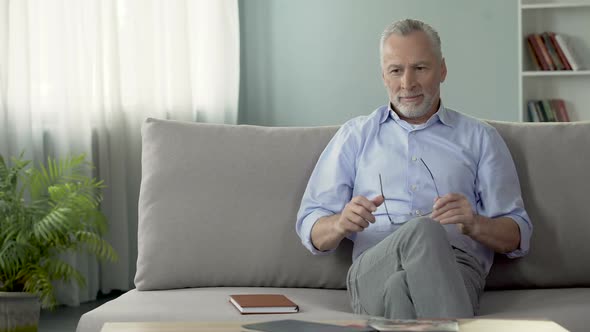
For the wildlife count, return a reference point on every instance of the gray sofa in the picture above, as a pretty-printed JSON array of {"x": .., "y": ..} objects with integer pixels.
[{"x": 217, "y": 214}]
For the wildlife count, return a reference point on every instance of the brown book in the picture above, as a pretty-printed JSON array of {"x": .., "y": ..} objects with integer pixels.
[
  {"x": 537, "y": 49},
  {"x": 561, "y": 110},
  {"x": 263, "y": 304},
  {"x": 533, "y": 55},
  {"x": 544, "y": 52},
  {"x": 552, "y": 52}
]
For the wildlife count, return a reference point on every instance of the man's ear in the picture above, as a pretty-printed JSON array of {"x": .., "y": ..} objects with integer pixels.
[{"x": 443, "y": 70}]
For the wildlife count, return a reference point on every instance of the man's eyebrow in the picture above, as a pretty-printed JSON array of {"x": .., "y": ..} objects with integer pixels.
[
  {"x": 394, "y": 65},
  {"x": 415, "y": 64}
]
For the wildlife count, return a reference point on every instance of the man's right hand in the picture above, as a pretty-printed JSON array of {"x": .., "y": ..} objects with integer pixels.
[{"x": 357, "y": 215}]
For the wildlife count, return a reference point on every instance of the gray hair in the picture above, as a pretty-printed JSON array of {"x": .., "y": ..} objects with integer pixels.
[{"x": 407, "y": 26}]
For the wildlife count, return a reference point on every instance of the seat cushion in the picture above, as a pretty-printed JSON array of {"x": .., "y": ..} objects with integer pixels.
[
  {"x": 212, "y": 304},
  {"x": 569, "y": 307}
]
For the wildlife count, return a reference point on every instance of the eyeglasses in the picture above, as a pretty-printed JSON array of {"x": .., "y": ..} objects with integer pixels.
[{"x": 405, "y": 217}]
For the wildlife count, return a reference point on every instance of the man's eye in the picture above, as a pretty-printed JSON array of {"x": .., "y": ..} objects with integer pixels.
[
  {"x": 395, "y": 71},
  {"x": 421, "y": 68}
]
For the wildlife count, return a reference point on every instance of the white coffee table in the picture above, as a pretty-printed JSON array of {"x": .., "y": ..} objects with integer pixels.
[{"x": 465, "y": 325}]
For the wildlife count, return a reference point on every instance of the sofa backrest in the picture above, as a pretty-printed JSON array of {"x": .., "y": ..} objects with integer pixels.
[
  {"x": 553, "y": 164},
  {"x": 218, "y": 204}
]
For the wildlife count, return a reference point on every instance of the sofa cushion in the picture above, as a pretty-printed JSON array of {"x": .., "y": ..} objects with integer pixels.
[
  {"x": 211, "y": 305},
  {"x": 218, "y": 205},
  {"x": 568, "y": 307},
  {"x": 553, "y": 164}
]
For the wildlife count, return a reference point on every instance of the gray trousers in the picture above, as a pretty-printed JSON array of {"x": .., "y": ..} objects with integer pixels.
[{"x": 416, "y": 273}]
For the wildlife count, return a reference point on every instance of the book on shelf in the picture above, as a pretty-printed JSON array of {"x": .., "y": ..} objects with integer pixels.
[
  {"x": 544, "y": 52},
  {"x": 562, "y": 56},
  {"x": 568, "y": 51},
  {"x": 552, "y": 52},
  {"x": 560, "y": 110},
  {"x": 532, "y": 111},
  {"x": 533, "y": 55},
  {"x": 541, "y": 112},
  {"x": 540, "y": 51},
  {"x": 263, "y": 304},
  {"x": 548, "y": 110}
]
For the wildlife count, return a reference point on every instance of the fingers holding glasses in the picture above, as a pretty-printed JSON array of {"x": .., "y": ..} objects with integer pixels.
[
  {"x": 357, "y": 214},
  {"x": 450, "y": 202},
  {"x": 453, "y": 209}
]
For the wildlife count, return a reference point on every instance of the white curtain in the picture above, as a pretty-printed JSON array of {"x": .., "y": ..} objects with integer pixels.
[{"x": 82, "y": 75}]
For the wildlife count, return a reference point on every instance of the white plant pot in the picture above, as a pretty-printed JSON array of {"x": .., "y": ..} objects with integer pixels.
[{"x": 19, "y": 312}]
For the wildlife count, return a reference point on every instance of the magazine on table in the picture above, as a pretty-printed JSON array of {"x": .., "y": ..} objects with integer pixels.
[{"x": 410, "y": 325}]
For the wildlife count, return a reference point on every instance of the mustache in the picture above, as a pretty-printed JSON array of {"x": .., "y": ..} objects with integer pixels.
[{"x": 410, "y": 96}]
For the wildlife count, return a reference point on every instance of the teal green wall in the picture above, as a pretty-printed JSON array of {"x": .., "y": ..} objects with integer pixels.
[{"x": 316, "y": 62}]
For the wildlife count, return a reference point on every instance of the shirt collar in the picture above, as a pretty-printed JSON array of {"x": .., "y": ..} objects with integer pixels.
[{"x": 441, "y": 115}]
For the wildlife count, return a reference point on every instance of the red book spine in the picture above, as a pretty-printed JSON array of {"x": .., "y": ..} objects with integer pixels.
[
  {"x": 545, "y": 52},
  {"x": 559, "y": 51},
  {"x": 533, "y": 55},
  {"x": 552, "y": 52},
  {"x": 531, "y": 39},
  {"x": 563, "y": 110}
]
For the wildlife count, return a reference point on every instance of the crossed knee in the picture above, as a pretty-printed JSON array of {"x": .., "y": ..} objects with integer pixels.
[{"x": 423, "y": 226}]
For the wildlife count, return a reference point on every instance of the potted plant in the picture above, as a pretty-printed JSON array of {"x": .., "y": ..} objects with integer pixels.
[{"x": 45, "y": 211}]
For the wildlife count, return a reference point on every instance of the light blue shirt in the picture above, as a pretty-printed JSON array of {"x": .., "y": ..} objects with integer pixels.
[{"x": 465, "y": 156}]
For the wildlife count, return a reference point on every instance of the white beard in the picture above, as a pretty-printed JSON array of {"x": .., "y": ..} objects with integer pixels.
[{"x": 414, "y": 111}]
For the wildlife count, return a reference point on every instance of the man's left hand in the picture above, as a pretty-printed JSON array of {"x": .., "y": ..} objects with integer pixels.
[{"x": 455, "y": 209}]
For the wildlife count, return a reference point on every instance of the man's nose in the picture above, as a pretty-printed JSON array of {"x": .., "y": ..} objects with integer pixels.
[{"x": 408, "y": 80}]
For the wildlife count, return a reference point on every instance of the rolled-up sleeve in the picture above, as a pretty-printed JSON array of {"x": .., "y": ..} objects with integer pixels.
[
  {"x": 498, "y": 188},
  {"x": 330, "y": 185},
  {"x": 525, "y": 236},
  {"x": 304, "y": 229}
]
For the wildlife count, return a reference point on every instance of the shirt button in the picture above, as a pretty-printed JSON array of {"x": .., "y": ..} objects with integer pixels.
[
  {"x": 414, "y": 158},
  {"x": 413, "y": 187},
  {"x": 418, "y": 212}
]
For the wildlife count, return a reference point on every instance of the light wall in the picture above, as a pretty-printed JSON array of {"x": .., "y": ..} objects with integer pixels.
[{"x": 316, "y": 62}]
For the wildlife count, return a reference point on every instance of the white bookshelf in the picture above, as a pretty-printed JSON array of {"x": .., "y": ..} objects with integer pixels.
[
  {"x": 572, "y": 19},
  {"x": 539, "y": 73}
]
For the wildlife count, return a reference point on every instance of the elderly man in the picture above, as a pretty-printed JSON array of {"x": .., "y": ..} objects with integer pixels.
[{"x": 426, "y": 194}]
